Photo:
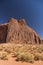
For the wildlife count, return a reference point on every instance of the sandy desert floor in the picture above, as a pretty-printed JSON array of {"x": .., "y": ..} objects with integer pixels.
[{"x": 11, "y": 61}]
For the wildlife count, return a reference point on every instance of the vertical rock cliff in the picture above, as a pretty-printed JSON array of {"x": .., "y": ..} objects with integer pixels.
[
  {"x": 3, "y": 32},
  {"x": 18, "y": 31}
]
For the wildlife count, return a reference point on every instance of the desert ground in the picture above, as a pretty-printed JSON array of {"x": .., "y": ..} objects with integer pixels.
[{"x": 21, "y": 54}]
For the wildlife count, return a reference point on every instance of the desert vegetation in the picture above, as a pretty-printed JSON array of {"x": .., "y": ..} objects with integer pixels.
[
  {"x": 22, "y": 52},
  {"x": 4, "y": 56}
]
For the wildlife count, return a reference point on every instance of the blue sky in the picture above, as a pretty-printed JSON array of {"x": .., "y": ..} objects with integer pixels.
[{"x": 31, "y": 10}]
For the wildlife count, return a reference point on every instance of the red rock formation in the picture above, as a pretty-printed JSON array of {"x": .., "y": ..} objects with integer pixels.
[
  {"x": 18, "y": 31},
  {"x": 3, "y": 32},
  {"x": 22, "y": 22}
]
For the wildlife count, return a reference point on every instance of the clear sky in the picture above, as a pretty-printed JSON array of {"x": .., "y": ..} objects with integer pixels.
[{"x": 31, "y": 10}]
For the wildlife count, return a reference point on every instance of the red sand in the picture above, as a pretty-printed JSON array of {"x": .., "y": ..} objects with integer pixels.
[{"x": 11, "y": 61}]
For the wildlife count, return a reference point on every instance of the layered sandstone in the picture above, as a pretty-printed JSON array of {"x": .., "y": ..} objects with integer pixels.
[{"x": 18, "y": 31}]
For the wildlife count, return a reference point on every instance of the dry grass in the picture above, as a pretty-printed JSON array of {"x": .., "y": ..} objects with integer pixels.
[
  {"x": 37, "y": 56},
  {"x": 25, "y": 57},
  {"x": 23, "y": 52},
  {"x": 3, "y": 56}
]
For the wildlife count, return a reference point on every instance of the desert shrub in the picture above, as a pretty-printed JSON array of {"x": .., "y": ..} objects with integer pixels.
[
  {"x": 8, "y": 49},
  {"x": 15, "y": 54},
  {"x": 42, "y": 57},
  {"x": 39, "y": 47},
  {"x": 25, "y": 57},
  {"x": 4, "y": 56},
  {"x": 37, "y": 56},
  {"x": 1, "y": 47},
  {"x": 16, "y": 48}
]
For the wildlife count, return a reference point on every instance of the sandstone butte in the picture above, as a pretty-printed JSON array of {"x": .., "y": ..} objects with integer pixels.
[{"x": 18, "y": 31}]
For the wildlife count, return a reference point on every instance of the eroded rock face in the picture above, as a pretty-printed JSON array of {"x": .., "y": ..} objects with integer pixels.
[
  {"x": 18, "y": 31},
  {"x": 3, "y": 32}
]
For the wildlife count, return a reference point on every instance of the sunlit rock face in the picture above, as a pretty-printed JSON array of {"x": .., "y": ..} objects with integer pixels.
[{"x": 18, "y": 31}]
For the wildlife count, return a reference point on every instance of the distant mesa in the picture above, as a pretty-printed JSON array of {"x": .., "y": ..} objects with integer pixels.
[{"x": 19, "y": 32}]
